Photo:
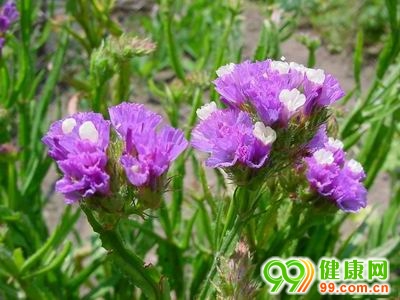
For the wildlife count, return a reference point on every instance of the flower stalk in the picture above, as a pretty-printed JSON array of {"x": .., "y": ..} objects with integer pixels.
[
  {"x": 147, "y": 278},
  {"x": 236, "y": 220}
]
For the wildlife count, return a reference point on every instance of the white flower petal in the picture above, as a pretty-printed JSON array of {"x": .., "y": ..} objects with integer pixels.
[
  {"x": 337, "y": 144},
  {"x": 264, "y": 133},
  {"x": 68, "y": 125},
  {"x": 323, "y": 157},
  {"x": 89, "y": 132},
  {"x": 292, "y": 99},
  {"x": 297, "y": 67},
  {"x": 281, "y": 66},
  {"x": 224, "y": 70},
  {"x": 355, "y": 166},
  {"x": 206, "y": 110},
  {"x": 135, "y": 168},
  {"x": 315, "y": 75}
]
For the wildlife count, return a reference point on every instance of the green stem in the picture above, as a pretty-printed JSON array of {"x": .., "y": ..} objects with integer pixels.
[
  {"x": 222, "y": 47},
  {"x": 172, "y": 47},
  {"x": 24, "y": 134},
  {"x": 11, "y": 178},
  {"x": 225, "y": 246},
  {"x": 147, "y": 279},
  {"x": 123, "y": 82},
  {"x": 98, "y": 97},
  {"x": 232, "y": 212},
  {"x": 236, "y": 220}
]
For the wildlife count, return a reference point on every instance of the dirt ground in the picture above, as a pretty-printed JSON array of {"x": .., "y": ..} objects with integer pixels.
[{"x": 339, "y": 65}]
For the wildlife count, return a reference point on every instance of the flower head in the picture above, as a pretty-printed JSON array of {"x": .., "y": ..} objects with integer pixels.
[
  {"x": 331, "y": 176},
  {"x": 349, "y": 193},
  {"x": 74, "y": 133},
  {"x": 149, "y": 150},
  {"x": 78, "y": 144},
  {"x": 322, "y": 171},
  {"x": 276, "y": 89},
  {"x": 230, "y": 137}
]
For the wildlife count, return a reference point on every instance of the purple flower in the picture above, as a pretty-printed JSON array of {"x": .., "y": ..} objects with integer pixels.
[
  {"x": 66, "y": 136},
  {"x": 319, "y": 139},
  {"x": 10, "y": 11},
  {"x": 336, "y": 147},
  {"x": 276, "y": 90},
  {"x": 332, "y": 177},
  {"x": 321, "y": 90},
  {"x": 148, "y": 152},
  {"x": 78, "y": 144},
  {"x": 322, "y": 171},
  {"x": 84, "y": 175},
  {"x": 353, "y": 169},
  {"x": 8, "y": 15},
  {"x": 4, "y": 23},
  {"x": 349, "y": 194},
  {"x": 134, "y": 117},
  {"x": 234, "y": 81},
  {"x": 230, "y": 138}
]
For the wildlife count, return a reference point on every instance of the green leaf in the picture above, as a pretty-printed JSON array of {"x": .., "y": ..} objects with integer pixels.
[
  {"x": 388, "y": 248},
  {"x": 83, "y": 275},
  {"x": 18, "y": 257},
  {"x": 58, "y": 235},
  {"x": 7, "y": 262},
  {"x": 55, "y": 262},
  {"x": 357, "y": 59},
  {"x": 48, "y": 90}
]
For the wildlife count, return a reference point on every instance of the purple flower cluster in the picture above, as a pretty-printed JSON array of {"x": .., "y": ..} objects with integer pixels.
[
  {"x": 231, "y": 138},
  {"x": 333, "y": 177},
  {"x": 79, "y": 146},
  {"x": 276, "y": 90},
  {"x": 264, "y": 98},
  {"x": 8, "y": 15},
  {"x": 148, "y": 152},
  {"x": 261, "y": 98}
]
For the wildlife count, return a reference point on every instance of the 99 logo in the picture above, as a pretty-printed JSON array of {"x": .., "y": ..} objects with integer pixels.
[{"x": 297, "y": 272}]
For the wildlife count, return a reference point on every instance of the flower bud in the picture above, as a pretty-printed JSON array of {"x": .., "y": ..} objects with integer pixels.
[{"x": 236, "y": 275}]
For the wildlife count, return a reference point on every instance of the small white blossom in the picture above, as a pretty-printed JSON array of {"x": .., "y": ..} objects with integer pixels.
[
  {"x": 68, "y": 125},
  {"x": 281, "y": 66},
  {"x": 323, "y": 157},
  {"x": 315, "y": 75},
  {"x": 135, "y": 168},
  {"x": 264, "y": 133},
  {"x": 224, "y": 70},
  {"x": 355, "y": 166},
  {"x": 292, "y": 99},
  {"x": 206, "y": 110},
  {"x": 297, "y": 67},
  {"x": 89, "y": 132},
  {"x": 334, "y": 143}
]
